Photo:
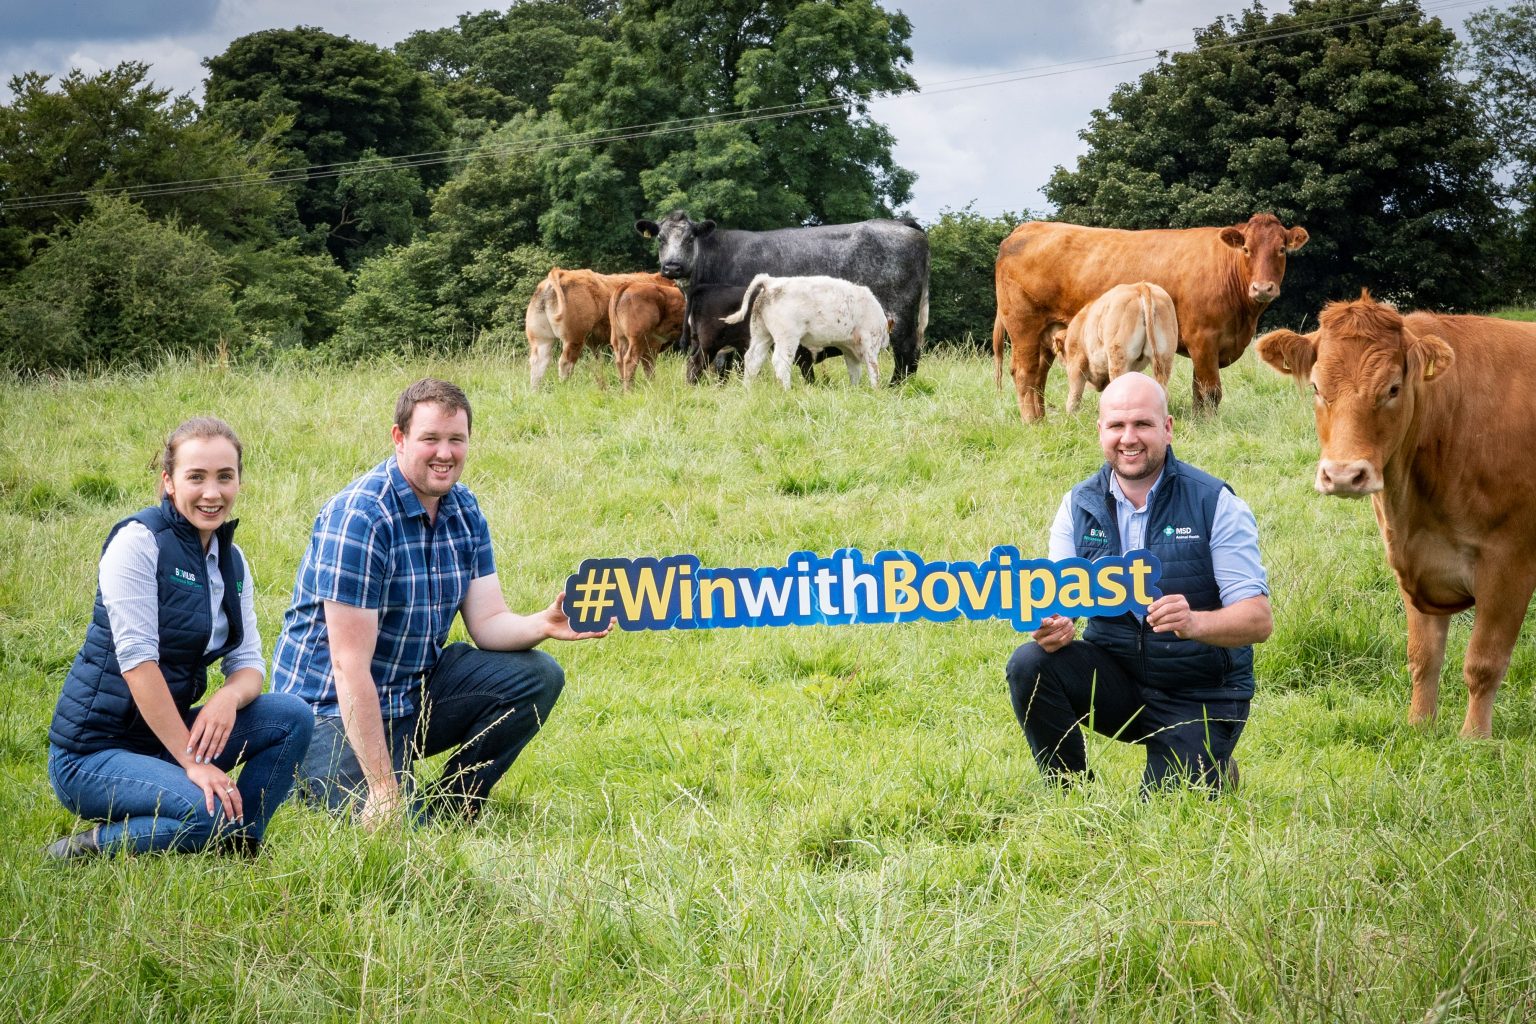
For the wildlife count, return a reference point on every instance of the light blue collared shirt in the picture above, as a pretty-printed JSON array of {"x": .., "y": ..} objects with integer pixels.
[
  {"x": 131, "y": 594},
  {"x": 1234, "y": 539}
]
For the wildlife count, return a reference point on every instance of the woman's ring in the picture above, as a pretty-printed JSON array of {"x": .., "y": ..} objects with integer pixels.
[{"x": 229, "y": 789}]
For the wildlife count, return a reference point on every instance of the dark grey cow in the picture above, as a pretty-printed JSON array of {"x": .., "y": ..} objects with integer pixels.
[{"x": 889, "y": 257}]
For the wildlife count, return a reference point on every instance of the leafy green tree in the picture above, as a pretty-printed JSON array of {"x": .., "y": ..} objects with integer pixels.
[
  {"x": 286, "y": 298},
  {"x": 684, "y": 59},
  {"x": 344, "y": 100},
  {"x": 116, "y": 130},
  {"x": 962, "y": 248},
  {"x": 1341, "y": 115},
  {"x": 1500, "y": 57},
  {"x": 119, "y": 288},
  {"x": 494, "y": 64}
]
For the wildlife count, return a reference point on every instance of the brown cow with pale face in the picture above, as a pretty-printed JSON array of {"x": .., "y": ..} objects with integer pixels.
[
  {"x": 1221, "y": 281},
  {"x": 571, "y": 307},
  {"x": 1433, "y": 417}
]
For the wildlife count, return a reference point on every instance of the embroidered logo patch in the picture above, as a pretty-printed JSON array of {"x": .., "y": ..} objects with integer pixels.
[{"x": 181, "y": 575}]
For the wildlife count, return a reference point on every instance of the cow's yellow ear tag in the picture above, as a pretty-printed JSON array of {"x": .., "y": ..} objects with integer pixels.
[
  {"x": 1285, "y": 365},
  {"x": 647, "y": 234},
  {"x": 1429, "y": 372}
]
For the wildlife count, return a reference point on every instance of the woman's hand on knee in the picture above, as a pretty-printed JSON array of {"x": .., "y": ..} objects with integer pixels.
[{"x": 217, "y": 786}]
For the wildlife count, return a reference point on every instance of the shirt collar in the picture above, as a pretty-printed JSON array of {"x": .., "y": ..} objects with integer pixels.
[
  {"x": 409, "y": 502},
  {"x": 1119, "y": 493}
]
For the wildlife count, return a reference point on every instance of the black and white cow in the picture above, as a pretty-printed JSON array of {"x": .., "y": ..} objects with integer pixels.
[{"x": 889, "y": 257}]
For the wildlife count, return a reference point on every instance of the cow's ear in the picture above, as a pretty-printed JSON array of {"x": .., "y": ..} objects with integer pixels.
[
  {"x": 1296, "y": 238},
  {"x": 703, "y": 228},
  {"x": 1429, "y": 356},
  {"x": 648, "y": 228},
  {"x": 1233, "y": 237},
  {"x": 1289, "y": 353}
]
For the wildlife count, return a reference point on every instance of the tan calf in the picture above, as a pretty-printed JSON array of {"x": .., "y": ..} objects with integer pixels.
[{"x": 1129, "y": 327}]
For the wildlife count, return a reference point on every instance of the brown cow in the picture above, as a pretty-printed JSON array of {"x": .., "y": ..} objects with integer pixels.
[
  {"x": 571, "y": 306},
  {"x": 645, "y": 317},
  {"x": 1221, "y": 280},
  {"x": 1433, "y": 417}
]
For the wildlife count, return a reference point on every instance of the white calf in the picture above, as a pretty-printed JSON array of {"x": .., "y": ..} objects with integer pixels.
[
  {"x": 1122, "y": 330},
  {"x": 812, "y": 313}
]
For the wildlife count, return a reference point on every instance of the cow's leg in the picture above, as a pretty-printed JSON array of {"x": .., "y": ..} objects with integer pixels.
[
  {"x": 570, "y": 351},
  {"x": 541, "y": 349},
  {"x": 757, "y": 355},
  {"x": 624, "y": 355},
  {"x": 1426, "y": 656},
  {"x": 872, "y": 365},
  {"x": 855, "y": 364},
  {"x": 1495, "y": 628},
  {"x": 807, "y": 364},
  {"x": 648, "y": 354},
  {"x": 1032, "y": 357},
  {"x": 1075, "y": 381},
  {"x": 1202, "y": 352},
  {"x": 783, "y": 361}
]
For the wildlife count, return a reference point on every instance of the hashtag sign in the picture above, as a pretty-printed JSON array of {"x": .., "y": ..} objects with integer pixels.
[{"x": 594, "y": 592}]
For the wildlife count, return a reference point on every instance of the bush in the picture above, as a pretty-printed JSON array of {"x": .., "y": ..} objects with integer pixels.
[
  {"x": 962, "y": 248},
  {"x": 118, "y": 289}
]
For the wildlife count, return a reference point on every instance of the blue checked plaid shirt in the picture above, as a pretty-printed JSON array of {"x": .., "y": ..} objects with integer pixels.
[{"x": 374, "y": 547}]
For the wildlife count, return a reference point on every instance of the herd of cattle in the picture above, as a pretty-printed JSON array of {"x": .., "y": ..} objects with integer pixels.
[{"x": 1426, "y": 414}]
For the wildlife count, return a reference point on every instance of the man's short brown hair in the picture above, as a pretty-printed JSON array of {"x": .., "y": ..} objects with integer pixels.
[{"x": 439, "y": 392}]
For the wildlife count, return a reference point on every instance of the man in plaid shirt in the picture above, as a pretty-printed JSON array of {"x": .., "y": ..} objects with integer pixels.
[{"x": 392, "y": 559}]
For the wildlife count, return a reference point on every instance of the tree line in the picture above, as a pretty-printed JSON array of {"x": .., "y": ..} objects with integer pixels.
[{"x": 332, "y": 194}]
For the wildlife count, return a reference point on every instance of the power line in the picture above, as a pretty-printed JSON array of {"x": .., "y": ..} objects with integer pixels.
[{"x": 596, "y": 137}]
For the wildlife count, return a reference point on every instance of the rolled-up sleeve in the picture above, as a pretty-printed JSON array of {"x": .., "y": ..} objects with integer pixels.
[
  {"x": 130, "y": 593},
  {"x": 248, "y": 654},
  {"x": 1062, "y": 545},
  {"x": 351, "y": 559},
  {"x": 1235, "y": 551}
]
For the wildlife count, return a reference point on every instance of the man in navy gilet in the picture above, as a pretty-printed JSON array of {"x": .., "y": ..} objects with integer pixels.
[{"x": 1177, "y": 681}]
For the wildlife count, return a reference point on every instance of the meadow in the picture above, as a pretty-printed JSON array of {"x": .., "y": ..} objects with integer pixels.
[{"x": 800, "y": 824}]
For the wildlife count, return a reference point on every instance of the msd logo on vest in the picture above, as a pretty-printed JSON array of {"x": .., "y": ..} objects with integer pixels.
[{"x": 1180, "y": 532}]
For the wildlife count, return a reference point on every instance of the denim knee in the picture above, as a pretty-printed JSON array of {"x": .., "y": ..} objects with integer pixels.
[{"x": 293, "y": 714}]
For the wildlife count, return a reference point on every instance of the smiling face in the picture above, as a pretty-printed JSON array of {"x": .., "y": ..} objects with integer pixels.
[
  {"x": 1135, "y": 430},
  {"x": 204, "y": 481},
  {"x": 431, "y": 452}
]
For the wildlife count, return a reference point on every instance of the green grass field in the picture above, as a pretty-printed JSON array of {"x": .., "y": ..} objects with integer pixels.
[{"x": 803, "y": 824}]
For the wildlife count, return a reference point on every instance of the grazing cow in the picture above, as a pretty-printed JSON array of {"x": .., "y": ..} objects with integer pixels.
[
  {"x": 812, "y": 313},
  {"x": 718, "y": 341},
  {"x": 1433, "y": 417},
  {"x": 1221, "y": 280},
  {"x": 571, "y": 306},
  {"x": 889, "y": 257},
  {"x": 1127, "y": 328},
  {"x": 645, "y": 317}
]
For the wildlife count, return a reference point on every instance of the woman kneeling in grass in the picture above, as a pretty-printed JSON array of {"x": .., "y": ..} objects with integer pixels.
[{"x": 127, "y": 747}]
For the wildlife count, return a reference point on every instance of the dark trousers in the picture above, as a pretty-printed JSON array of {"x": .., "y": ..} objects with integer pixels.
[
  {"x": 487, "y": 704},
  {"x": 1054, "y": 695}
]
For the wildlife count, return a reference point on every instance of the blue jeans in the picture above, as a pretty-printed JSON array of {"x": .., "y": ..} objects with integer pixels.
[
  {"x": 147, "y": 801},
  {"x": 488, "y": 704},
  {"x": 1186, "y": 738}
]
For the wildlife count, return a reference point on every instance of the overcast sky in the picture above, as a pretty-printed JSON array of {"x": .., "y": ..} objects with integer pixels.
[{"x": 969, "y": 139}]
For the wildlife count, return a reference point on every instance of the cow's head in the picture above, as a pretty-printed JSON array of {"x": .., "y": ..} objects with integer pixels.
[
  {"x": 1264, "y": 243},
  {"x": 1367, "y": 373},
  {"x": 677, "y": 248}
]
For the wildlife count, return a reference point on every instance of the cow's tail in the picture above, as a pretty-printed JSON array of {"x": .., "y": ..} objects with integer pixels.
[
  {"x": 558, "y": 313},
  {"x": 746, "y": 300},
  {"x": 999, "y": 338},
  {"x": 922, "y": 314}
]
